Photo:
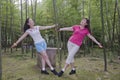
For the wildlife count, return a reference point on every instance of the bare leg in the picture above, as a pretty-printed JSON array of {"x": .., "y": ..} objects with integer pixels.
[
  {"x": 72, "y": 65},
  {"x": 65, "y": 67},
  {"x": 73, "y": 71},
  {"x": 46, "y": 59},
  {"x": 42, "y": 61},
  {"x": 43, "y": 70}
]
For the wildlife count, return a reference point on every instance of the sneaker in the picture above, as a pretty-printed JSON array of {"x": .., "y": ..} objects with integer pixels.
[
  {"x": 54, "y": 72},
  {"x": 60, "y": 73},
  {"x": 72, "y": 72},
  {"x": 44, "y": 72}
]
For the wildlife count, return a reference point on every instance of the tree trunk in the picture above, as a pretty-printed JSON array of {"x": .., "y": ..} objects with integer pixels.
[
  {"x": 108, "y": 26},
  {"x": 102, "y": 22},
  {"x": 11, "y": 24},
  {"x": 0, "y": 46},
  {"x": 21, "y": 24},
  {"x": 26, "y": 8},
  {"x": 57, "y": 33},
  {"x": 118, "y": 9},
  {"x": 32, "y": 9},
  {"x": 35, "y": 11},
  {"x": 51, "y": 52},
  {"x": 6, "y": 26}
]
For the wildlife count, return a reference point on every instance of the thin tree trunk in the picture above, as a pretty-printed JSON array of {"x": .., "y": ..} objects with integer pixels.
[
  {"x": 102, "y": 22},
  {"x": 6, "y": 24},
  {"x": 58, "y": 34},
  {"x": 26, "y": 10},
  {"x": 32, "y": 9},
  {"x": 26, "y": 2},
  {"x": 83, "y": 14},
  {"x": 108, "y": 28},
  {"x": 21, "y": 24},
  {"x": 35, "y": 11},
  {"x": 114, "y": 17},
  {"x": 118, "y": 9},
  {"x": 0, "y": 45},
  {"x": 83, "y": 8},
  {"x": 11, "y": 24},
  {"x": 113, "y": 29},
  {"x": 89, "y": 15}
]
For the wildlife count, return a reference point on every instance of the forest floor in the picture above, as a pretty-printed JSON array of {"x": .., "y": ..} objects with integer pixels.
[{"x": 23, "y": 67}]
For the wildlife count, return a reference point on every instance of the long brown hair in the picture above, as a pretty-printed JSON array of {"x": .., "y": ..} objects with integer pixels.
[
  {"x": 88, "y": 24},
  {"x": 26, "y": 26}
]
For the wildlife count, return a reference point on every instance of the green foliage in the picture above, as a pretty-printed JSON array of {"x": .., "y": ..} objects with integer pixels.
[
  {"x": 97, "y": 32},
  {"x": 68, "y": 13}
]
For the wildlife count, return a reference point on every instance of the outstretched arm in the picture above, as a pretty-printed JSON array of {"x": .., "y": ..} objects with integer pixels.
[
  {"x": 93, "y": 39},
  {"x": 46, "y": 27},
  {"x": 66, "y": 29},
  {"x": 19, "y": 40}
]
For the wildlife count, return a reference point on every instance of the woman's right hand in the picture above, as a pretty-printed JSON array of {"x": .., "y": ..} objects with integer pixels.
[
  {"x": 14, "y": 45},
  {"x": 57, "y": 29},
  {"x": 100, "y": 45}
]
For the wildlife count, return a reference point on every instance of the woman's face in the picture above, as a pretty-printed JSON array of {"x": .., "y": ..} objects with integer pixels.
[
  {"x": 83, "y": 22},
  {"x": 31, "y": 22}
]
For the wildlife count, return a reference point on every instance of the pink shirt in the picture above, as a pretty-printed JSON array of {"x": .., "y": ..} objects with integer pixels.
[{"x": 78, "y": 35}]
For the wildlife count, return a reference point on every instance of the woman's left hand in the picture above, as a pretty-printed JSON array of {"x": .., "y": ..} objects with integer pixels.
[{"x": 14, "y": 45}]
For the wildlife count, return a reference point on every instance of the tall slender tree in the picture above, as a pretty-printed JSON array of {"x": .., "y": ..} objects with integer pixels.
[
  {"x": 26, "y": 7},
  {"x": 83, "y": 14},
  {"x": 6, "y": 26},
  {"x": 21, "y": 23},
  {"x": 0, "y": 45},
  {"x": 11, "y": 23},
  {"x": 35, "y": 11},
  {"x": 102, "y": 22},
  {"x": 118, "y": 10},
  {"x": 58, "y": 34},
  {"x": 32, "y": 12},
  {"x": 113, "y": 24},
  {"x": 108, "y": 27}
]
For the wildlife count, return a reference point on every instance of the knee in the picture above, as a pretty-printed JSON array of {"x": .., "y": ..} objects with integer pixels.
[{"x": 45, "y": 56}]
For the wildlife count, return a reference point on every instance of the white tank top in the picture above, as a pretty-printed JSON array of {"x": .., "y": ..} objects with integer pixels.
[{"x": 35, "y": 34}]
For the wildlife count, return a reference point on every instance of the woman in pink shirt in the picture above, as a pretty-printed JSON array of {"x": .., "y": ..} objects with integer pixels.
[{"x": 75, "y": 41}]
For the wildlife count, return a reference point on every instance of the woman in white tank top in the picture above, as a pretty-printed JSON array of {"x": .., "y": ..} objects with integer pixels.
[{"x": 40, "y": 44}]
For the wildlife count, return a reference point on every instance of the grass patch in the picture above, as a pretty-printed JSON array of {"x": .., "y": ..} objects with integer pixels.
[{"x": 18, "y": 66}]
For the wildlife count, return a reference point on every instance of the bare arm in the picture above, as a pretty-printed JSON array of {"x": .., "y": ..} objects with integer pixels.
[
  {"x": 93, "y": 39},
  {"x": 20, "y": 39},
  {"x": 66, "y": 29},
  {"x": 46, "y": 27}
]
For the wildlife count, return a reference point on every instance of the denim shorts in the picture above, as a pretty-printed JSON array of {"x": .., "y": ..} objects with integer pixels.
[{"x": 41, "y": 46}]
